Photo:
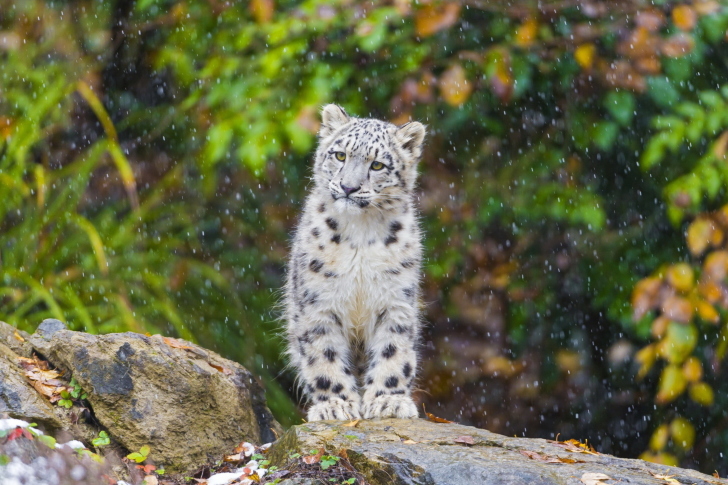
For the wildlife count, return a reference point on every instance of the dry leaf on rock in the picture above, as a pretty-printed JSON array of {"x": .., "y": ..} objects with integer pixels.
[
  {"x": 409, "y": 442},
  {"x": 595, "y": 478},
  {"x": 175, "y": 343},
  {"x": 351, "y": 424},
  {"x": 668, "y": 480},
  {"x": 546, "y": 458},
  {"x": 434, "y": 418},
  {"x": 466, "y": 440}
]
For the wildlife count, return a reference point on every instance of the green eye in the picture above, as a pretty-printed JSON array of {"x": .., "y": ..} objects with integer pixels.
[
  {"x": 377, "y": 165},
  {"x": 340, "y": 156}
]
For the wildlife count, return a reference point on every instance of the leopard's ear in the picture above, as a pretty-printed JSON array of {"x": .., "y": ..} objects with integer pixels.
[
  {"x": 411, "y": 136},
  {"x": 333, "y": 117}
]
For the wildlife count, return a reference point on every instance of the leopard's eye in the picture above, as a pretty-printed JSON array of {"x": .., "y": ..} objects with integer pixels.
[
  {"x": 377, "y": 166},
  {"x": 340, "y": 156}
]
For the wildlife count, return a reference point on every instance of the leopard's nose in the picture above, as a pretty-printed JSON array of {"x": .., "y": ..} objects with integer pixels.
[{"x": 349, "y": 190}]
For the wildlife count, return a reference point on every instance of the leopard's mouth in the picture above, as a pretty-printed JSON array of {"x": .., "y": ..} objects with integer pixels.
[{"x": 350, "y": 201}]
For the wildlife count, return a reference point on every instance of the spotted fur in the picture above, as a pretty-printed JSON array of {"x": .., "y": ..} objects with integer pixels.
[{"x": 352, "y": 292}]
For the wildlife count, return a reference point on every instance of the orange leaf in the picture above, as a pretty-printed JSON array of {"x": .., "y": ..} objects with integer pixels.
[
  {"x": 454, "y": 86},
  {"x": 707, "y": 312},
  {"x": 434, "y": 418},
  {"x": 431, "y": 18},
  {"x": 352, "y": 424},
  {"x": 262, "y": 10},
  {"x": 684, "y": 17},
  {"x": 311, "y": 459},
  {"x": 692, "y": 369},
  {"x": 175, "y": 343},
  {"x": 526, "y": 33},
  {"x": 644, "y": 296},
  {"x": 715, "y": 266},
  {"x": 222, "y": 369}
]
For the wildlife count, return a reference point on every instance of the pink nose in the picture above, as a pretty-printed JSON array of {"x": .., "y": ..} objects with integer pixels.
[{"x": 349, "y": 190}]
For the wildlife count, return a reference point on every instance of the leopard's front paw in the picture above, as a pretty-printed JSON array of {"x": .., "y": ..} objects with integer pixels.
[
  {"x": 334, "y": 409},
  {"x": 389, "y": 406}
]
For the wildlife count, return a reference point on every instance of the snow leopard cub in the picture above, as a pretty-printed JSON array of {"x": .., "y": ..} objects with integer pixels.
[{"x": 352, "y": 290}]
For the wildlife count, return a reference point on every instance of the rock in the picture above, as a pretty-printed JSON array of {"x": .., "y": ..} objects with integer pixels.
[
  {"x": 396, "y": 451},
  {"x": 18, "y": 399},
  {"x": 188, "y": 404}
]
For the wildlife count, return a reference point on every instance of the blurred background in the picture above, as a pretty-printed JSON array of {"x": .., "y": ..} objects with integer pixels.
[{"x": 154, "y": 155}]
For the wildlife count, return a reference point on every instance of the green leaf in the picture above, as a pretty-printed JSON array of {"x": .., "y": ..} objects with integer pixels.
[
  {"x": 662, "y": 91},
  {"x": 604, "y": 134},
  {"x": 620, "y": 104},
  {"x": 137, "y": 457}
]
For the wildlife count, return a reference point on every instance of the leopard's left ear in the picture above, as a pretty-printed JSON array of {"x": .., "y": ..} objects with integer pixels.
[{"x": 411, "y": 136}]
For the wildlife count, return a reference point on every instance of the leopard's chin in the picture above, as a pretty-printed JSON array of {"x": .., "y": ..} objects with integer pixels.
[{"x": 347, "y": 204}]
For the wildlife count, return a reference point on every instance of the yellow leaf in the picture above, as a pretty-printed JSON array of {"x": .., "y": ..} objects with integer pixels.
[
  {"x": 683, "y": 433},
  {"x": 434, "y": 18},
  {"x": 262, "y": 10},
  {"x": 702, "y": 393},
  {"x": 455, "y": 88},
  {"x": 646, "y": 357},
  {"x": 526, "y": 33},
  {"x": 666, "y": 479},
  {"x": 659, "y": 438},
  {"x": 692, "y": 369},
  {"x": 684, "y": 17},
  {"x": 585, "y": 54},
  {"x": 699, "y": 235},
  {"x": 680, "y": 276},
  {"x": 715, "y": 267},
  {"x": 672, "y": 384},
  {"x": 594, "y": 478},
  {"x": 707, "y": 312}
]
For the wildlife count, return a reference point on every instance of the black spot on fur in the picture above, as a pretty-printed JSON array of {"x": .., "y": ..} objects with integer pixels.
[
  {"x": 408, "y": 263},
  {"x": 380, "y": 318},
  {"x": 370, "y": 381},
  {"x": 320, "y": 330},
  {"x": 331, "y": 222},
  {"x": 379, "y": 393},
  {"x": 323, "y": 383},
  {"x": 395, "y": 226},
  {"x": 330, "y": 355},
  {"x": 329, "y": 274},
  {"x": 399, "y": 329},
  {"x": 347, "y": 371},
  {"x": 343, "y": 397},
  {"x": 316, "y": 265},
  {"x": 309, "y": 388},
  {"x": 336, "y": 319},
  {"x": 322, "y": 397},
  {"x": 315, "y": 231},
  {"x": 337, "y": 388},
  {"x": 311, "y": 360},
  {"x": 409, "y": 292},
  {"x": 398, "y": 391},
  {"x": 389, "y": 351},
  {"x": 391, "y": 382},
  {"x": 322, "y": 207},
  {"x": 321, "y": 247},
  {"x": 391, "y": 239},
  {"x": 393, "y": 271},
  {"x": 336, "y": 238},
  {"x": 407, "y": 369}
]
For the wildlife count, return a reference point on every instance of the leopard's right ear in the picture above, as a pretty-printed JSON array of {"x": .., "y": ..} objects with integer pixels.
[{"x": 333, "y": 117}]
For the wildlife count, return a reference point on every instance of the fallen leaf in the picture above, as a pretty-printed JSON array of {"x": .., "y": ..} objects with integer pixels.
[
  {"x": 576, "y": 446},
  {"x": 595, "y": 478},
  {"x": 467, "y": 440},
  {"x": 667, "y": 478},
  {"x": 409, "y": 442},
  {"x": 311, "y": 459},
  {"x": 18, "y": 336},
  {"x": 222, "y": 369},
  {"x": 352, "y": 424},
  {"x": 434, "y": 418},
  {"x": 150, "y": 480},
  {"x": 236, "y": 457},
  {"x": 176, "y": 344}
]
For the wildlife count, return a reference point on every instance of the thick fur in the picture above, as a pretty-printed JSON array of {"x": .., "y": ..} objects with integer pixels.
[{"x": 352, "y": 291}]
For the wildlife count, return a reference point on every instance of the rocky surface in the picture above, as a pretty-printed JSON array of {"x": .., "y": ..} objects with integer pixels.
[
  {"x": 417, "y": 451},
  {"x": 188, "y": 404}
]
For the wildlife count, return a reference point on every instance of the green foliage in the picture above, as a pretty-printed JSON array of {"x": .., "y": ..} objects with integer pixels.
[
  {"x": 139, "y": 456},
  {"x": 102, "y": 440}
]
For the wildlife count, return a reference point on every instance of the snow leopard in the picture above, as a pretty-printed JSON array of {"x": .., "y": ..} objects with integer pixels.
[{"x": 352, "y": 293}]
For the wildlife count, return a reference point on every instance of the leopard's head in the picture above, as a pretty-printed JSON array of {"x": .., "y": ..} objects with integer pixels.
[{"x": 366, "y": 164}]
